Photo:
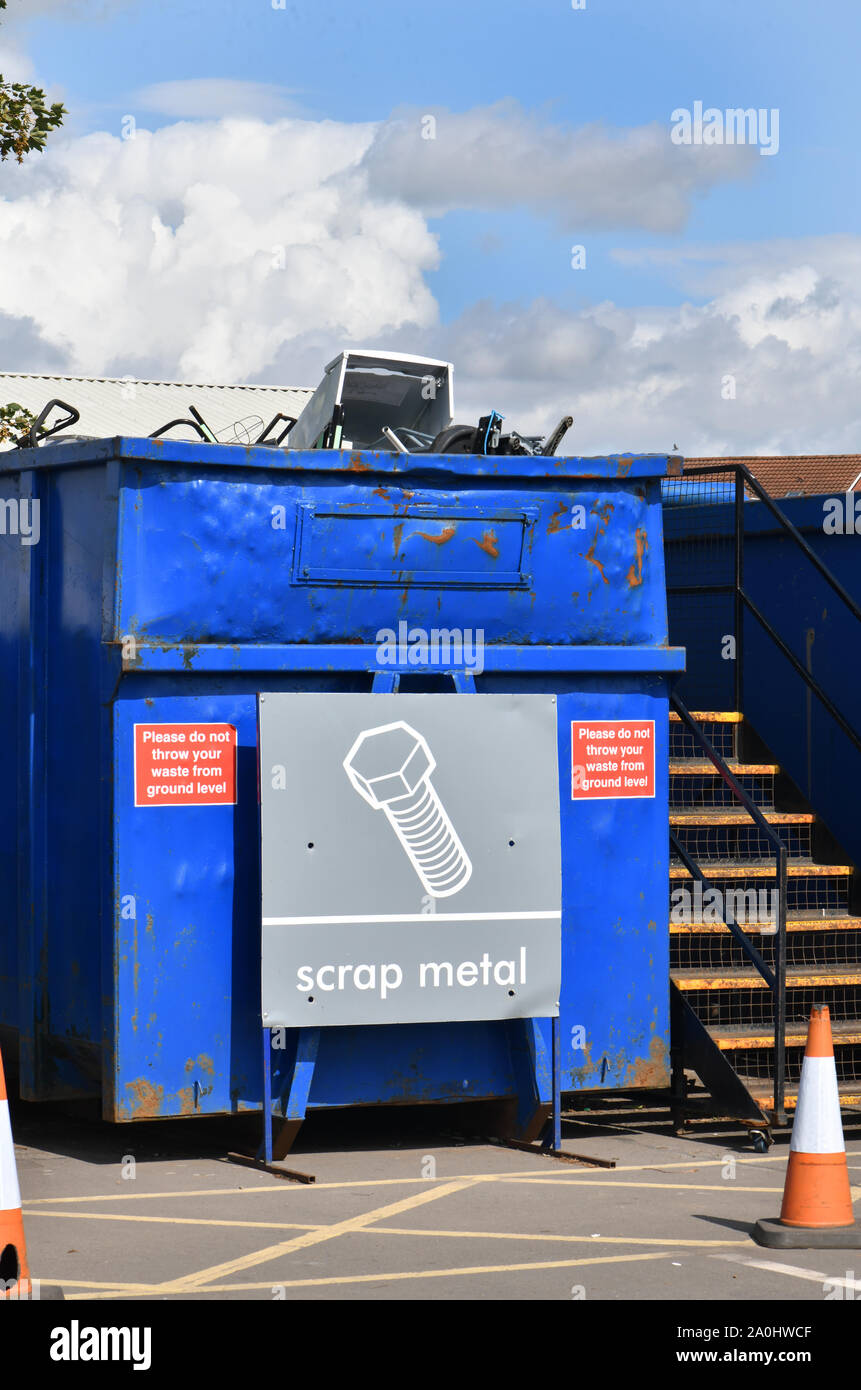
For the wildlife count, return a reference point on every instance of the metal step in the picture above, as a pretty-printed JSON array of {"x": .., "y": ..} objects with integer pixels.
[
  {"x": 721, "y": 833},
  {"x": 763, "y": 1093},
  {"x": 731, "y": 868},
  {"x": 719, "y": 815},
  {"x": 793, "y": 924},
  {"x": 687, "y": 980},
  {"x": 729, "y": 1038},
  {"x": 709, "y": 717},
  {"x": 727, "y": 1005},
  {"x": 721, "y": 730},
  {"x": 702, "y": 767}
]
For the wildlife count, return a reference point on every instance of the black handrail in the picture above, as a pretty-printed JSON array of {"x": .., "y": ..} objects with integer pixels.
[
  {"x": 778, "y": 977},
  {"x": 757, "y": 488},
  {"x": 747, "y": 946},
  {"x": 743, "y": 600}
]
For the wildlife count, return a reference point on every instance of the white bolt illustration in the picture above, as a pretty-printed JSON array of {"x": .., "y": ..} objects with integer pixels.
[{"x": 390, "y": 768}]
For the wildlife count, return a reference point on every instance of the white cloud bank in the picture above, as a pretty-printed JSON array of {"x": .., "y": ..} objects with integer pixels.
[
  {"x": 213, "y": 98},
  {"x": 250, "y": 250}
]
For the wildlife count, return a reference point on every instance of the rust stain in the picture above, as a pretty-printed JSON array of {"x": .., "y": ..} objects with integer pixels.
[
  {"x": 357, "y": 466},
  {"x": 603, "y": 514},
  {"x": 444, "y": 535},
  {"x": 185, "y": 1096},
  {"x": 489, "y": 544},
  {"x": 146, "y": 1100},
  {"x": 584, "y": 1074},
  {"x": 625, "y": 465},
  {"x": 651, "y": 1071},
  {"x": 381, "y": 492},
  {"x": 397, "y": 536},
  {"x": 635, "y": 573},
  {"x": 555, "y": 523},
  {"x": 406, "y": 495}
]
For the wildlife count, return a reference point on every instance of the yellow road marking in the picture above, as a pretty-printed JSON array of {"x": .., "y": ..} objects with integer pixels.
[
  {"x": 518, "y": 1235},
  {"x": 729, "y": 1186},
  {"x": 383, "y": 1278},
  {"x": 382, "y": 1230},
  {"x": 270, "y": 1187},
  {"x": 550, "y": 1169},
  {"x": 175, "y": 1220},
  {"x": 287, "y": 1247}
]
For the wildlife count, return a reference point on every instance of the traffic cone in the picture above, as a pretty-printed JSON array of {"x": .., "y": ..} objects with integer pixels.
[
  {"x": 817, "y": 1203},
  {"x": 14, "y": 1270}
]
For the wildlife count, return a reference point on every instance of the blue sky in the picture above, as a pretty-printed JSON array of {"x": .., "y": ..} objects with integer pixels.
[{"x": 623, "y": 64}]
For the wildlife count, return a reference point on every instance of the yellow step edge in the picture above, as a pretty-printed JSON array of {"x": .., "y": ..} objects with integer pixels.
[
  {"x": 845, "y": 1036},
  {"x": 715, "y": 868},
  {"x": 703, "y": 767},
  {"x": 709, "y": 716},
  {"x": 794, "y": 924},
  {"x": 739, "y": 817},
  {"x": 763, "y": 1094},
  {"x": 751, "y": 979}
]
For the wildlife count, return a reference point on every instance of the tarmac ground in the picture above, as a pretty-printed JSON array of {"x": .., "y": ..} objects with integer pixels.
[{"x": 404, "y": 1207}]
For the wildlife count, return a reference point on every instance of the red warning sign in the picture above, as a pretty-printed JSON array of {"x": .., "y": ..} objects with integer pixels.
[
  {"x": 185, "y": 765},
  {"x": 612, "y": 757}
]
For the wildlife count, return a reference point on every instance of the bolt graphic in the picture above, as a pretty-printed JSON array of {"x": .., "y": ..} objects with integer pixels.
[{"x": 390, "y": 768}]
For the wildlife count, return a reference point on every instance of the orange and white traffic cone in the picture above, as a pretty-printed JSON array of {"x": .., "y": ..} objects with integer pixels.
[
  {"x": 14, "y": 1270},
  {"x": 817, "y": 1202}
]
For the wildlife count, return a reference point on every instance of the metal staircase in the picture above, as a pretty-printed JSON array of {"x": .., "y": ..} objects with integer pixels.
[
  {"x": 765, "y": 907},
  {"x": 812, "y": 939}
]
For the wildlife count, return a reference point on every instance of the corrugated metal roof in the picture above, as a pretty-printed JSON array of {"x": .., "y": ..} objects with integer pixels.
[{"x": 123, "y": 405}]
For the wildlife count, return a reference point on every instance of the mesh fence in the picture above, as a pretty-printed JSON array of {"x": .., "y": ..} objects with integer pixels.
[
  {"x": 752, "y": 1006},
  {"x": 685, "y": 746},
  {"x": 689, "y": 790},
  {"x": 720, "y": 950},
  {"x": 757, "y": 1066},
  {"x": 747, "y": 897},
  {"x": 740, "y": 840}
]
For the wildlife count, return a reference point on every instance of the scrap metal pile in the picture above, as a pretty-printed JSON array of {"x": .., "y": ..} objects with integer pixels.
[{"x": 367, "y": 400}]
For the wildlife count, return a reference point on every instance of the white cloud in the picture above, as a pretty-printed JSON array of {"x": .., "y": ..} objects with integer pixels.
[
  {"x": 14, "y": 63},
  {"x": 199, "y": 250},
  {"x": 204, "y": 248},
  {"x": 243, "y": 249},
  {"x": 783, "y": 323},
  {"x": 213, "y": 98},
  {"x": 503, "y": 156}
]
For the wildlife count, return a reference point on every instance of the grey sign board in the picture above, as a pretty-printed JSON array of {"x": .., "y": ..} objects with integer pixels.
[{"x": 411, "y": 867}]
